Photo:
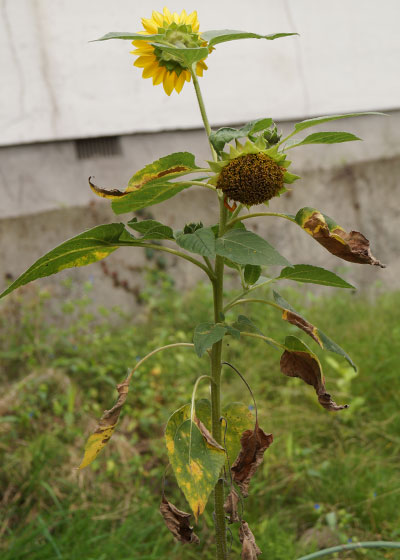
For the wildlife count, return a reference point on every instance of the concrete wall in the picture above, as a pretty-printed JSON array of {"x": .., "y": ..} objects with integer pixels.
[
  {"x": 59, "y": 86},
  {"x": 47, "y": 200}
]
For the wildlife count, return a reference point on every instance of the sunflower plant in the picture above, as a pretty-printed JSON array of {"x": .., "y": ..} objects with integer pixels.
[{"x": 216, "y": 447}]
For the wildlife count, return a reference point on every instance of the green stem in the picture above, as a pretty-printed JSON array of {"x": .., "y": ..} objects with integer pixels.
[
  {"x": 155, "y": 351},
  {"x": 176, "y": 253},
  {"x": 203, "y": 110},
  {"x": 266, "y": 338},
  {"x": 245, "y": 292},
  {"x": 253, "y": 300},
  {"x": 200, "y": 184},
  {"x": 258, "y": 214},
  {"x": 216, "y": 350},
  {"x": 352, "y": 546}
]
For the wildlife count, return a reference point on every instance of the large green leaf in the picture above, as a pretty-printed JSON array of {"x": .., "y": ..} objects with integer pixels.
[
  {"x": 244, "y": 324},
  {"x": 86, "y": 248},
  {"x": 223, "y": 35},
  {"x": 325, "y": 138},
  {"x": 226, "y": 134},
  {"x": 251, "y": 274},
  {"x": 186, "y": 56},
  {"x": 201, "y": 241},
  {"x": 207, "y": 334},
  {"x": 319, "y": 120},
  {"x": 151, "y": 229},
  {"x": 292, "y": 316},
  {"x": 196, "y": 459},
  {"x": 306, "y": 273},
  {"x": 246, "y": 247}
]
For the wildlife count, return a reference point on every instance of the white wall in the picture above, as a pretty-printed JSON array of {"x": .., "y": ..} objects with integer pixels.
[{"x": 57, "y": 85}]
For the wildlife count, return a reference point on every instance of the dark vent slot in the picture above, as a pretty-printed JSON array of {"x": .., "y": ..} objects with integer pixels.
[{"x": 107, "y": 146}]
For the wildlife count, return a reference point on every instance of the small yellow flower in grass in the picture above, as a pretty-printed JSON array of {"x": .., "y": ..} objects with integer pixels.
[{"x": 178, "y": 30}]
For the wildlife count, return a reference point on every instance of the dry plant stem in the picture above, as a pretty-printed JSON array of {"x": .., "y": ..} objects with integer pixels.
[{"x": 216, "y": 353}]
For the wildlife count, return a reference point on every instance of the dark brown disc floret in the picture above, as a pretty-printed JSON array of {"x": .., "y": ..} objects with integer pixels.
[{"x": 251, "y": 179}]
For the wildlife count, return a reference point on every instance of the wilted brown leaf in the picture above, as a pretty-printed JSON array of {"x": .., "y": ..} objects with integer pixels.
[
  {"x": 253, "y": 445},
  {"x": 231, "y": 506},
  {"x": 250, "y": 550},
  {"x": 302, "y": 324},
  {"x": 178, "y": 522},
  {"x": 105, "y": 427},
  {"x": 352, "y": 247},
  {"x": 305, "y": 365}
]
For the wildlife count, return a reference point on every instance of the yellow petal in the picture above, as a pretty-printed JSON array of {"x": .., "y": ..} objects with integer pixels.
[
  {"x": 157, "y": 18},
  {"x": 183, "y": 16},
  {"x": 188, "y": 77},
  {"x": 175, "y": 17},
  {"x": 158, "y": 75},
  {"x": 149, "y": 25},
  {"x": 179, "y": 82},
  {"x": 150, "y": 70},
  {"x": 169, "y": 82},
  {"x": 193, "y": 21},
  {"x": 167, "y": 15},
  {"x": 143, "y": 61}
]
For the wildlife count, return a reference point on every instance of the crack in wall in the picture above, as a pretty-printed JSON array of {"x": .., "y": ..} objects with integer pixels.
[
  {"x": 299, "y": 59},
  {"x": 45, "y": 66}
]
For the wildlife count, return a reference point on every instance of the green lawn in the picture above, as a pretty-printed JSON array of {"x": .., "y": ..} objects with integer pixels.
[{"x": 328, "y": 477}]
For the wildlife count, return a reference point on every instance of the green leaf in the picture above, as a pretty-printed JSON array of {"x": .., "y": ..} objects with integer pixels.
[
  {"x": 245, "y": 247},
  {"x": 186, "y": 56},
  {"x": 151, "y": 229},
  {"x": 244, "y": 324},
  {"x": 251, "y": 274},
  {"x": 151, "y": 185},
  {"x": 207, "y": 334},
  {"x": 292, "y": 316},
  {"x": 196, "y": 460},
  {"x": 202, "y": 242},
  {"x": 326, "y": 138},
  {"x": 289, "y": 178},
  {"x": 319, "y": 120},
  {"x": 226, "y": 134},
  {"x": 309, "y": 274},
  {"x": 129, "y": 36},
  {"x": 88, "y": 247},
  {"x": 214, "y": 37}
]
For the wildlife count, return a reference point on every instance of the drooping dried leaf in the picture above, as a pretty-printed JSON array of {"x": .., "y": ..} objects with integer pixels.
[
  {"x": 177, "y": 522},
  {"x": 231, "y": 506},
  {"x": 352, "y": 247},
  {"x": 253, "y": 445},
  {"x": 298, "y": 361},
  {"x": 105, "y": 427},
  {"x": 207, "y": 436},
  {"x": 250, "y": 550},
  {"x": 292, "y": 316}
]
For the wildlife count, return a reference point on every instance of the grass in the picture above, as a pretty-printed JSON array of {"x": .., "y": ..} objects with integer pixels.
[{"x": 328, "y": 478}]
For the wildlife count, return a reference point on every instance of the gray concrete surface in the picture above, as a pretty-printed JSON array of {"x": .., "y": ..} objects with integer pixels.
[{"x": 45, "y": 199}]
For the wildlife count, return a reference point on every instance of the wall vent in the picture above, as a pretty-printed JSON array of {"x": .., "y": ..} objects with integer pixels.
[{"x": 106, "y": 146}]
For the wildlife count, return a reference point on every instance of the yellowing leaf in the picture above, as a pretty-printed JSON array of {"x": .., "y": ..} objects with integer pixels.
[{"x": 105, "y": 428}]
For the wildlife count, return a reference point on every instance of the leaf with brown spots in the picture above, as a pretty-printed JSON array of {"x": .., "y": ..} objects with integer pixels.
[
  {"x": 250, "y": 550},
  {"x": 352, "y": 247},
  {"x": 105, "y": 427},
  {"x": 298, "y": 361},
  {"x": 289, "y": 314},
  {"x": 177, "y": 522},
  {"x": 253, "y": 445},
  {"x": 231, "y": 506},
  {"x": 151, "y": 185}
]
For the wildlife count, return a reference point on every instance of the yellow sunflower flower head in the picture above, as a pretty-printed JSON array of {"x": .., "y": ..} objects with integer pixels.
[{"x": 179, "y": 30}]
